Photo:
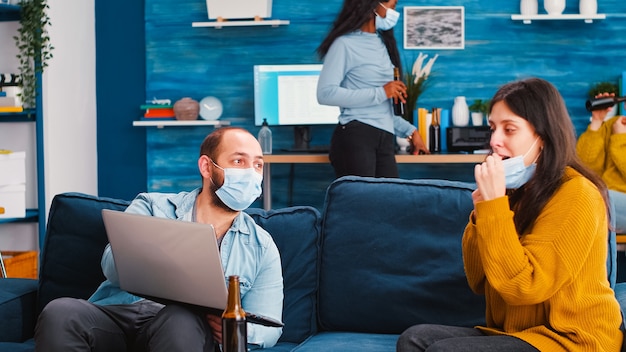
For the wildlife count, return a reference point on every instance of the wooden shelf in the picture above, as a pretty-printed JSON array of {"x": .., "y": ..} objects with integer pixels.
[
  {"x": 586, "y": 18},
  {"x": 180, "y": 123},
  {"x": 233, "y": 23}
]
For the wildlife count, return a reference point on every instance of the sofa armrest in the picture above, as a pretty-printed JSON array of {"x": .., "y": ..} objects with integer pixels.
[{"x": 18, "y": 306}]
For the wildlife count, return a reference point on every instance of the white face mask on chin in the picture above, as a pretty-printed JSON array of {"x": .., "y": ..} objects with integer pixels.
[
  {"x": 389, "y": 21},
  {"x": 516, "y": 173}
]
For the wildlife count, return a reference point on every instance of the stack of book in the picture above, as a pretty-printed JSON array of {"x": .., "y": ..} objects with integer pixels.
[
  {"x": 9, "y": 90},
  {"x": 158, "y": 111}
]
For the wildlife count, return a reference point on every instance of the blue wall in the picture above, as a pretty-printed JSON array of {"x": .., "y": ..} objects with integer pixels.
[
  {"x": 120, "y": 88},
  {"x": 184, "y": 61}
]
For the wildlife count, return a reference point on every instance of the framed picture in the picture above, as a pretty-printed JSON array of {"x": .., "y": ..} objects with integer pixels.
[{"x": 434, "y": 27}]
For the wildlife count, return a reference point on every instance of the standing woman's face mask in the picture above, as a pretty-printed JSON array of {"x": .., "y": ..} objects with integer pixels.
[{"x": 389, "y": 20}]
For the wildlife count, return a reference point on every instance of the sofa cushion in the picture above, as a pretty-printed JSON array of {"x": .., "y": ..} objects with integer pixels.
[
  {"x": 28, "y": 346},
  {"x": 296, "y": 232},
  {"x": 391, "y": 255},
  {"x": 349, "y": 341},
  {"x": 75, "y": 240},
  {"x": 17, "y": 309}
]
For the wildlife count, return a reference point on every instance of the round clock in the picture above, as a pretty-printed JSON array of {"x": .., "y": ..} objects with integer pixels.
[{"x": 210, "y": 108}]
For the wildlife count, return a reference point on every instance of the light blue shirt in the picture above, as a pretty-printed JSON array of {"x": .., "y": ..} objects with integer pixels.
[
  {"x": 356, "y": 68},
  {"x": 246, "y": 250}
]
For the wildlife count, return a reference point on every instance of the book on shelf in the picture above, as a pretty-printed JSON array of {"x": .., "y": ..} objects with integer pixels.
[
  {"x": 7, "y": 101},
  {"x": 11, "y": 109},
  {"x": 157, "y": 118},
  {"x": 158, "y": 111}
]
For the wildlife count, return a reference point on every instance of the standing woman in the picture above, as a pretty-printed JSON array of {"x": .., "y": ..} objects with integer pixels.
[
  {"x": 536, "y": 242},
  {"x": 360, "y": 53}
]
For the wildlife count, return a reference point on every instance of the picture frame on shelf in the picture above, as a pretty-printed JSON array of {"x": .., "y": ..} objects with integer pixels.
[{"x": 434, "y": 27}]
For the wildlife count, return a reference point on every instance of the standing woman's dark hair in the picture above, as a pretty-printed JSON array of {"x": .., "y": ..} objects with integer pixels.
[
  {"x": 539, "y": 102},
  {"x": 352, "y": 16}
]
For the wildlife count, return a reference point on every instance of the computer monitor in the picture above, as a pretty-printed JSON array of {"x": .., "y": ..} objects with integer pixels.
[{"x": 286, "y": 95}]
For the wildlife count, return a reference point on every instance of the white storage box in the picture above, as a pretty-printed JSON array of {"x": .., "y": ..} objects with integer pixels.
[
  {"x": 13, "y": 201},
  {"x": 239, "y": 9},
  {"x": 13, "y": 168}
]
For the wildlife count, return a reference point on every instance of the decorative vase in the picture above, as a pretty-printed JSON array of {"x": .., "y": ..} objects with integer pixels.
[
  {"x": 477, "y": 118},
  {"x": 186, "y": 109},
  {"x": 588, "y": 7},
  {"x": 403, "y": 145},
  {"x": 554, "y": 7},
  {"x": 460, "y": 112},
  {"x": 529, "y": 7}
]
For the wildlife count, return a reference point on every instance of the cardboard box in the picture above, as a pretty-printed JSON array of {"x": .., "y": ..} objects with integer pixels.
[
  {"x": 13, "y": 201},
  {"x": 12, "y": 168},
  {"x": 20, "y": 264},
  {"x": 239, "y": 9}
]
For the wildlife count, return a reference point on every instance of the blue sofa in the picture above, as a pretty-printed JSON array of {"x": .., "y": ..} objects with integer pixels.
[{"x": 383, "y": 254}]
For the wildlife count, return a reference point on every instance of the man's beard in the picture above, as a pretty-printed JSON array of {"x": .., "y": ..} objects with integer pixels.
[{"x": 215, "y": 200}]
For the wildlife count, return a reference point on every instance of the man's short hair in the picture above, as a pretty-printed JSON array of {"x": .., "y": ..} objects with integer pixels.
[{"x": 211, "y": 144}]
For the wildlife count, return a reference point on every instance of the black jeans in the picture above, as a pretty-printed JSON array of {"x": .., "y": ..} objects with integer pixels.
[
  {"x": 439, "y": 338},
  {"x": 69, "y": 324},
  {"x": 362, "y": 150}
]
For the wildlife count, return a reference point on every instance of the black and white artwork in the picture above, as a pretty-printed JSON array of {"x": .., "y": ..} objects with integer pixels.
[{"x": 434, "y": 27}]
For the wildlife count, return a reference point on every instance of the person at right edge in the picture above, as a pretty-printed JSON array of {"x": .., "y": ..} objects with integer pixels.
[
  {"x": 603, "y": 148},
  {"x": 360, "y": 53},
  {"x": 536, "y": 242}
]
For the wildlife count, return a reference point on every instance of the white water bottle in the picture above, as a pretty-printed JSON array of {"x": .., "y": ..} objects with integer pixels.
[{"x": 265, "y": 138}]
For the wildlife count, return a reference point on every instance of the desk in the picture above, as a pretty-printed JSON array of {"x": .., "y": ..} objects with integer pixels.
[{"x": 323, "y": 159}]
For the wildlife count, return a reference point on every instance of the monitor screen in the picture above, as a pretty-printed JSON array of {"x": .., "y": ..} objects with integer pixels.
[{"x": 287, "y": 95}]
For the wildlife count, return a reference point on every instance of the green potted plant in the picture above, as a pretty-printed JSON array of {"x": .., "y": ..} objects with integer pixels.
[
  {"x": 602, "y": 87},
  {"x": 34, "y": 48},
  {"x": 479, "y": 109}
]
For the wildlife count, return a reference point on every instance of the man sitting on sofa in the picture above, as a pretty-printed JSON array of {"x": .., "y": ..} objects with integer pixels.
[{"x": 231, "y": 166}]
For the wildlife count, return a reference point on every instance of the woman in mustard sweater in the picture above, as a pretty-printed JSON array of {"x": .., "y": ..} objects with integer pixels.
[
  {"x": 536, "y": 242},
  {"x": 603, "y": 148}
]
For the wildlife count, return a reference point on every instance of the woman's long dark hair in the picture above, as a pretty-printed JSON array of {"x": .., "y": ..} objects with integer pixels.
[
  {"x": 353, "y": 15},
  {"x": 539, "y": 102}
]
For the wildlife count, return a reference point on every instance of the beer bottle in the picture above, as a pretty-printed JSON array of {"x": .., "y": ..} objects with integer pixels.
[
  {"x": 398, "y": 107},
  {"x": 603, "y": 103},
  {"x": 234, "y": 331}
]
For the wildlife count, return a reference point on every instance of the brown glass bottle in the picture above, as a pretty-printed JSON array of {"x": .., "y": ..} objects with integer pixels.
[
  {"x": 398, "y": 107},
  {"x": 234, "y": 331},
  {"x": 434, "y": 132}
]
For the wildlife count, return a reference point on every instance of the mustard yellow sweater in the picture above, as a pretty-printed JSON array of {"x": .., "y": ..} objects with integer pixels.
[
  {"x": 548, "y": 287},
  {"x": 605, "y": 153}
]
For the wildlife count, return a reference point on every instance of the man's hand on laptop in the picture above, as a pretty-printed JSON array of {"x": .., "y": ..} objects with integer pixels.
[{"x": 215, "y": 323}]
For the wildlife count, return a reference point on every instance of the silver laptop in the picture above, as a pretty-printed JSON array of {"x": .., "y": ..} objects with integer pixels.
[{"x": 167, "y": 260}]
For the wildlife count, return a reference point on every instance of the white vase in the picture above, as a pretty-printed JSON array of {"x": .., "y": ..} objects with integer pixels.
[
  {"x": 477, "y": 118},
  {"x": 460, "y": 112},
  {"x": 529, "y": 7},
  {"x": 554, "y": 7},
  {"x": 588, "y": 7},
  {"x": 403, "y": 145}
]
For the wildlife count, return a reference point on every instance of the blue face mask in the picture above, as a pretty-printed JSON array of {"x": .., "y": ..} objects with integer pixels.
[
  {"x": 389, "y": 21},
  {"x": 241, "y": 187},
  {"x": 516, "y": 173}
]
